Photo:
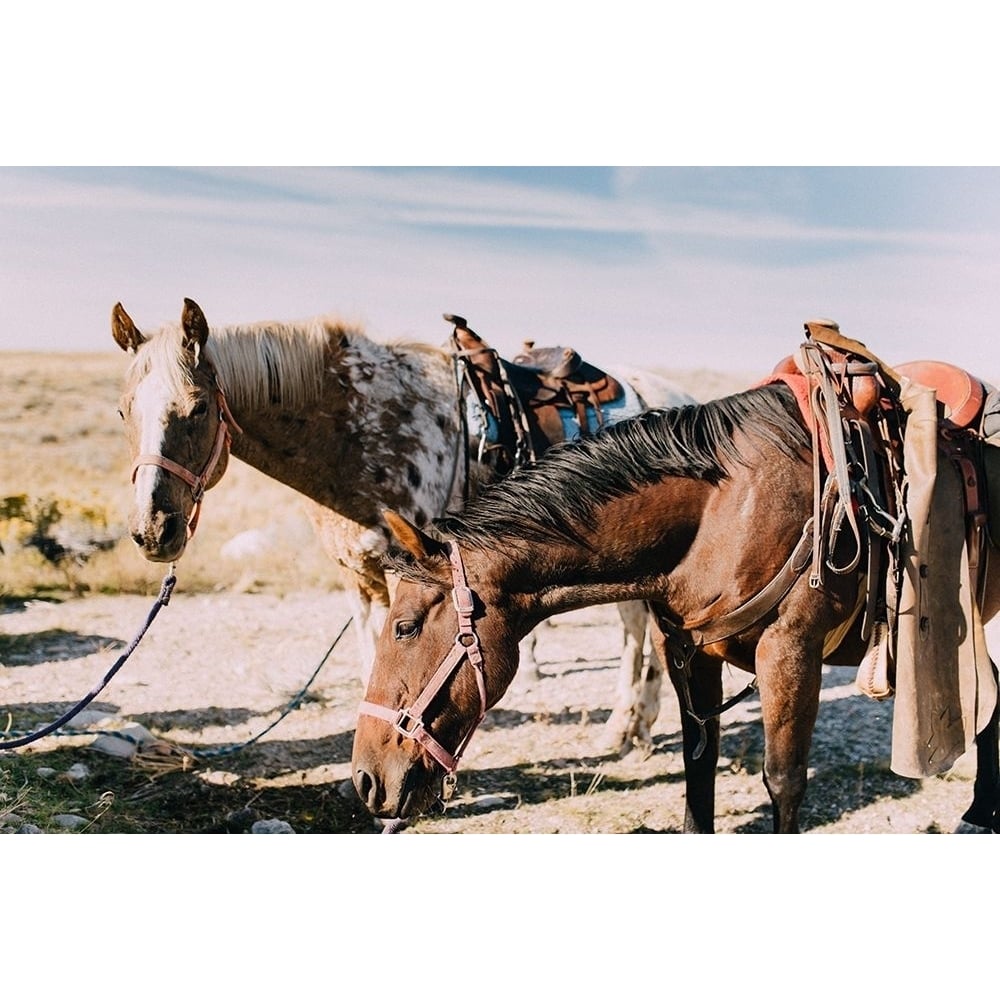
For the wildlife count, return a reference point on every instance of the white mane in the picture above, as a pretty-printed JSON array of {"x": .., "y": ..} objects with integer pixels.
[
  {"x": 272, "y": 362},
  {"x": 259, "y": 364}
]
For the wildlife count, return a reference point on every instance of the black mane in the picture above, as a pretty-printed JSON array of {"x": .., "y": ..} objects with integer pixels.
[{"x": 562, "y": 491}]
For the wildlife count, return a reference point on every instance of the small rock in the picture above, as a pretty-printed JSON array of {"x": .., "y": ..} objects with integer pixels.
[
  {"x": 78, "y": 772},
  {"x": 114, "y": 746},
  {"x": 493, "y": 801},
  {"x": 271, "y": 826},
  {"x": 346, "y": 790},
  {"x": 241, "y": 820},
  {"x": 11, "y": 819},
  {"x": 69, "y": 821},
  {"x": 45, "y": 772},
  {"x": 124, "y": 743},
  {"x": 89, "y": 718},
  {"x": 30, "y": 828}
]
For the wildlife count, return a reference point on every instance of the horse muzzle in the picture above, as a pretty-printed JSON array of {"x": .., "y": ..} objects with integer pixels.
[
  {"x": 160, "y": 536},
  {"x": 397, "y": 787}
]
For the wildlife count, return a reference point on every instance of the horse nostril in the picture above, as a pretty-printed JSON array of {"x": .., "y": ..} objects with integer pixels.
[
  {"x": 169, "y": 531},
  {"x": 364, "y": 783},
  {"x": 139, "y": 539}
]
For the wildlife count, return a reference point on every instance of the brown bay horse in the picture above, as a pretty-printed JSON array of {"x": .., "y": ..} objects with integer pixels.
[
  {"x": 694, "y": 510},
  {"x": 352, "y": 424}
]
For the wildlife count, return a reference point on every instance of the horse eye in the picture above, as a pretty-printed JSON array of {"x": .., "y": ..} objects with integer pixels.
[
  {"x": 407, "y": 630},
  {"x": 200, "y": 408}
]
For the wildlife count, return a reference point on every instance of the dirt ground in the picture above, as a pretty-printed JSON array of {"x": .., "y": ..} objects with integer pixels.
[{"x": 215, "y": 670}]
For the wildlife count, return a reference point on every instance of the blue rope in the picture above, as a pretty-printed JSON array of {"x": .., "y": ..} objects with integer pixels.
[
  {"x": 166, "y": 589},
  {"x": 292, "y": 705}
]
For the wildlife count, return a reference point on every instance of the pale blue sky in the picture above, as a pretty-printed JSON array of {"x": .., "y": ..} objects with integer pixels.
[{"x": 682, "y": 267}]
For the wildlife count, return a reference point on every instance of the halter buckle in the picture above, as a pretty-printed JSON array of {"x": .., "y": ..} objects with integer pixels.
[
  {"x": 463, "y": 599},
  {"x": 467, "y": 640},
  {"x": 400, "y": 725}
]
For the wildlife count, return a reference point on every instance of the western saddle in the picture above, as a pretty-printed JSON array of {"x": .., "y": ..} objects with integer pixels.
[
  {"x": 850, "y": 400},
  {"x": 522, "y": 401}
]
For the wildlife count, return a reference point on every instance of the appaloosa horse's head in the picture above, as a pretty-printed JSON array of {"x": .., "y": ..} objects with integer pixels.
[
  {"x": 425, "y": 698},
  {"x": 178, "y": 427}
]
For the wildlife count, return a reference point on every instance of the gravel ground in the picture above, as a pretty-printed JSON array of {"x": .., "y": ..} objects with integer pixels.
[{"x": 214, "y": 669}]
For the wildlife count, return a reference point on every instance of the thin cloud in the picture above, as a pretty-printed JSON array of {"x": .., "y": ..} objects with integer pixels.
[{"x": 641, "y": 264}]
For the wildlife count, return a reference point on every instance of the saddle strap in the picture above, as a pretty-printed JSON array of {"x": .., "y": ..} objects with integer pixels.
[
  {"x": 961, "y": 450},
  {"x": 732, "y": 623},
  {"x": 751, "y": 611},
  {"x": 824, "y": 333},
  {"x": 826, "y": 406},
  {"x": 486, "y": 374}
]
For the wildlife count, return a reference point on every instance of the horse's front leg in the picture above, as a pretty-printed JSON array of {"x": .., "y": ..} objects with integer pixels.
[
  {"x": 699, "y": 691},
  {"x": 637, "y": 700},
  {"x": 369, "y": 616},
  {"x": 528, "y": 673},
  {"x": 789, "y": 676}
]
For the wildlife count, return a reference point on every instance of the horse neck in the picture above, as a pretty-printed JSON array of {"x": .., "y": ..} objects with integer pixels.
[
  {"x": 679, "y": 542},
  {"x": 635, "y": 545},
  {"x": 378, "y": 430}
]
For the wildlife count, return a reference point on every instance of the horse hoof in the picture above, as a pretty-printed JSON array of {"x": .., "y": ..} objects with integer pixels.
[
  {"x": 624, "y": 740},
  {"x": 390, "y": 825},
  {"x": 964, "y": 827},
  {"x": 640, "y": 745}
]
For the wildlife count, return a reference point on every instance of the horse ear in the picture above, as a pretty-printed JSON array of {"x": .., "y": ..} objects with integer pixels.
[
  {"x": 195, "y": 325},
  {"x": 415, "y": 541},
  {"x": 125, "y": 332}
]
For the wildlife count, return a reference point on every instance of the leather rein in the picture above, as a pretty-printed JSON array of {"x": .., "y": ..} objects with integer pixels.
[
  {"x": 198, "y": 482},
  {"x": 409, "y": 721}
]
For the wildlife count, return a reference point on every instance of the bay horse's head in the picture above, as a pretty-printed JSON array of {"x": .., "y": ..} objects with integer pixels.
[
  {"x": 177, "y": 424},
  {"x": 447, "y": 653}
]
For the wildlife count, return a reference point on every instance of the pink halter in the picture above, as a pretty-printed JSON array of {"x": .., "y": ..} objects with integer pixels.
[
  {"x": 409, "y": 722},
  {"x": 198, "y": 483}
]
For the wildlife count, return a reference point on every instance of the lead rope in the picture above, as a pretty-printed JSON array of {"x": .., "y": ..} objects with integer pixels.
[
  {"x": 162, "y": 600},
  {"x": 288, "y": 709}
]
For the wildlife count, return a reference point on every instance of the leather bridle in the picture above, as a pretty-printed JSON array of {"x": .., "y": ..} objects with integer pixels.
[
  {"x": 409, "y": 721},
  {"x": 198, "y": 482}
]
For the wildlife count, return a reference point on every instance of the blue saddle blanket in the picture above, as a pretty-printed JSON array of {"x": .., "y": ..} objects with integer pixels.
[{"x": 620, "y": 409}]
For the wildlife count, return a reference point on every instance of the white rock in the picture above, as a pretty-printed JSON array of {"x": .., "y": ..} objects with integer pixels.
[
  {"x": 89, "y": 718},
  {"x": 247, "y": 545},
  {"x": 114, "y": 745}
]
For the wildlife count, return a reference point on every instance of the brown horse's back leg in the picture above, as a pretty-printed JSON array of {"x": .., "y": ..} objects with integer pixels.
[
  {"x": 789, "y": 682},
  {"x": 704, "y": 683},
  {"x": 985, "y": 809}
]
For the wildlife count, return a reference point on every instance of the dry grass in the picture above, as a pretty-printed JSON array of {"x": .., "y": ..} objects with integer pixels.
[{"x": 63, "y": 445}]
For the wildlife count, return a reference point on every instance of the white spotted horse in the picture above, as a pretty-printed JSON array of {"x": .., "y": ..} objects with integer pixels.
[{"x": 354, "y": 425}]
